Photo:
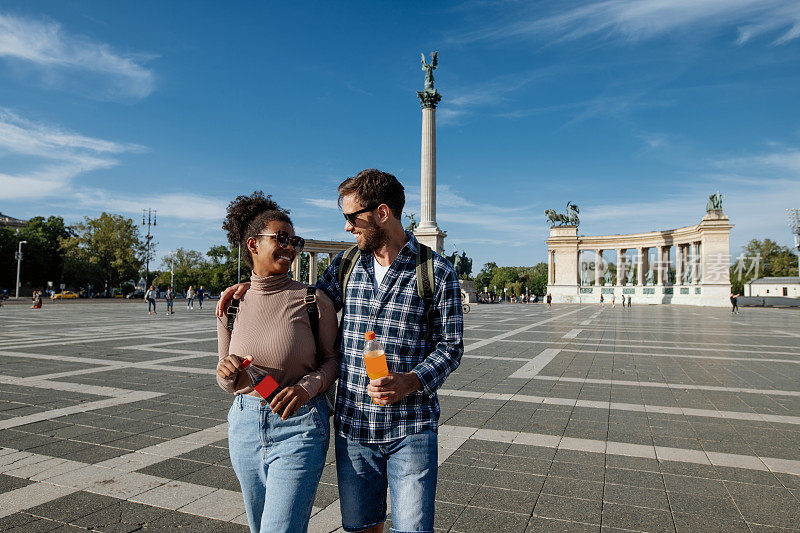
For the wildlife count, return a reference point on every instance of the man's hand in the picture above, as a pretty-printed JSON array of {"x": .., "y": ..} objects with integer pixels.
[
  {"x": 393, "y": 388},
  {"x": 288, "y": 401},
  {"x": 237, "y": 291},
  {"x": 230, "y": 366}
]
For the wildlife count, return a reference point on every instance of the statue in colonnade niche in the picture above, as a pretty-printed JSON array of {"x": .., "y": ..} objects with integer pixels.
[
  {"x": 584, "y": 274},
  {"x": 648, "y": 278},
  {"x": 608, "y": 278},
  {"x": 629, "y": 277}
]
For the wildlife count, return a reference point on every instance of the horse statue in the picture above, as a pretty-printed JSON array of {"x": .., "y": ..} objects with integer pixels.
[
  {"x": 570, "y": 219},
  {"x": 555, "y": 218}
]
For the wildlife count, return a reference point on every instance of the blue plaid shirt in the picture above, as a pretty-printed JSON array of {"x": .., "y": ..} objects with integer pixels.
[{"x": 397, "y": 316}]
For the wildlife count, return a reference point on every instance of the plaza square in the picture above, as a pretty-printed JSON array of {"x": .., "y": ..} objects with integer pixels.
[{"x": 577, "y": 418}]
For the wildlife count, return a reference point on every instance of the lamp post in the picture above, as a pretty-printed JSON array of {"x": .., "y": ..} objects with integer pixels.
[
  {"x": 151, "y": 220},
  {"x": 19, "y": 265},
  {"x": 793, "y": 218}
]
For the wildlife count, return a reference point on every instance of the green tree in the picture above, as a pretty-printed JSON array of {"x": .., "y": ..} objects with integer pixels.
[
  {"x": 105, "y": 250},
  {"x": 9, "y": 241},
  {"x": 484, "y": 277},
  {"x": 43, "y": 253},
  {"x": 186, "y": 265},
  {"x": 762, "y": 259}
]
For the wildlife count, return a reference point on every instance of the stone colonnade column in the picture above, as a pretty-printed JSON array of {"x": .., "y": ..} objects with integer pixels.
[
  {"x": 312, "y": 268},
  {"x": 660, "y": 265},
  {"x": 550, "y": 267},
  {"x": 643, "y": 264},
  {"x": 296, "y": 268},
  {"x": 598, "y": 267},
  {"x": 620, "y": 266},
  {"x": 679, "y": 264}
]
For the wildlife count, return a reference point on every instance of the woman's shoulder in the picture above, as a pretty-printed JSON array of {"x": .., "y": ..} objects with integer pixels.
[{"x": 323, "y": 300}]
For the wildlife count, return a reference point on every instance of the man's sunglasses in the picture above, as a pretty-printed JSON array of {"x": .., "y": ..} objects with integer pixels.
[
  {"x": 284, "y": 240},
  {"x": 351, "y": 217}
]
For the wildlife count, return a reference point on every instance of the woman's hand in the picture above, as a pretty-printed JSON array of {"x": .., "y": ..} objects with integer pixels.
[
  {"x": 237, "y": 291},
  {"x": 230, "y": 366},
  {"x": 288, "y": 401}
]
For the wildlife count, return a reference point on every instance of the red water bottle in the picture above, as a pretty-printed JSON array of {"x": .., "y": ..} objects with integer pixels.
[{"x": 264, "y": 384}]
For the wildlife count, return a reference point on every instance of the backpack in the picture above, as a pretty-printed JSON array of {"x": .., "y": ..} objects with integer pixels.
[
  {"x": 425, "y": 280},
  {"x": 313, "y": 319}
]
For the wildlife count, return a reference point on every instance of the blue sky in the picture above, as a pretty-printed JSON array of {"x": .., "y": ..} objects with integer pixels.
[{"x": 636, "y": 111}]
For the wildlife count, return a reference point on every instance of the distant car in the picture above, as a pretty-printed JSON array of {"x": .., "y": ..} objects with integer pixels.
[
  {"x": 135, "y": 294},
  {"x": 65, "y": 295}
]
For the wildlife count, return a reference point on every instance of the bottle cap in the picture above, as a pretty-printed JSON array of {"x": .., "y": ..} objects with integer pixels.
[
  {"x": 370, "y": 335},
  {"x": 246, "y": 362}
]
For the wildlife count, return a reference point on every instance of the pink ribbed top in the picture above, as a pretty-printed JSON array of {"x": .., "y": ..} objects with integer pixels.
[{"x": 273, "y": 327}]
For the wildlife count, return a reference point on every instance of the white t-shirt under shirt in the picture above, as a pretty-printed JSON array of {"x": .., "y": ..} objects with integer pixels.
[{"x": 380, "y": 272}]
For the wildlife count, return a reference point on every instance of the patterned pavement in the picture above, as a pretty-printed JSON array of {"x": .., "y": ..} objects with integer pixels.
[{"x": 654, "y": 418}]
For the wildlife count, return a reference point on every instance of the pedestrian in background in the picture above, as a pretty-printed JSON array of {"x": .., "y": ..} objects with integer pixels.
[
  {"x": 201, "y": 292},
  {"x": 734, "y": 303},
  {"x": 549, "y": 300},
  {"x": 190, "y": 297},
  {"x": 170, "y": 297},
  {"x": 150, "y": 298}
]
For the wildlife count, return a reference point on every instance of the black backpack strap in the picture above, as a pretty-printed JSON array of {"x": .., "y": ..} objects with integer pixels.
[
  {"x": 425, "y": 283},
  {"x": 346, "y": 266},
  {"x": 231, "y": 312},
  {"x": 313, "y": 316}
]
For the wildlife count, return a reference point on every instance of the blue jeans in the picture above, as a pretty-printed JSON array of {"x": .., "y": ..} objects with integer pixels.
[
  {"x": 151, "y": 302},
  {"x": 278, "y": 462},
  {"x": 408, "y": 466}
]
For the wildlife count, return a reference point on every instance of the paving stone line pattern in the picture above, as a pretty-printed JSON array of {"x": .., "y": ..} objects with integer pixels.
[{"x": 645, "y": 419}]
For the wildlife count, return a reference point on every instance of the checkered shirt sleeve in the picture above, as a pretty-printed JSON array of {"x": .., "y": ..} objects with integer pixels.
[{"x": 397, "y": 316}]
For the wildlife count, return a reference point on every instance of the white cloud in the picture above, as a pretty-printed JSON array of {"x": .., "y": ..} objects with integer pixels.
[
  {"x": 58, "y": 156},
  {"x": 325, "y": 203},
  {"x": 639, "y": 20},
  {"x": 57, "y": 55}
]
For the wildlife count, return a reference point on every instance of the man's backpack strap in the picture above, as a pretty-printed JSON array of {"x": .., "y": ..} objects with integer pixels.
[
  {"x": 231, "y": 312},
  {"x": 313, "y": 316},
  {"x": 425, "y": 283},
  {"x": 349, "y": 259}
]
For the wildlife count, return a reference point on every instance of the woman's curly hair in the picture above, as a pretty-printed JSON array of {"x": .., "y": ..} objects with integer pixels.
[{"x": 249, "y": 215}]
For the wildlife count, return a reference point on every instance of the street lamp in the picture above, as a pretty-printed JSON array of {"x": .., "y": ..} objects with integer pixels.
[
  {"x": 793, "y": 219},
  {"x": 19, "y": 265},
  {"x": 151, "y": 217}
]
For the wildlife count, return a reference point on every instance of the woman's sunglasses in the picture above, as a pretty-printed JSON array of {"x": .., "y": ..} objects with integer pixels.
[{"x": 284, "y": 240}]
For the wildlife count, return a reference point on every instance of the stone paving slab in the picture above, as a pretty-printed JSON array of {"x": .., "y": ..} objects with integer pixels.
[{"x": 655, "y": 418}]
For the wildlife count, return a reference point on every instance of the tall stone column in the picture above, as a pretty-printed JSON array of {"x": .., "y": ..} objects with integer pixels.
[
  {"x": 312, "y": 268},
  {"x": 678, "y": 264},
  {"x": 550, "y": 277},
  {"x": 296, "y": 268},
  {"x": 620, "y": 266},
  {"x": 428, "y": 232}
]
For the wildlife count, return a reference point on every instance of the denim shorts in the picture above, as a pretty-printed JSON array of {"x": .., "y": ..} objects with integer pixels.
[
  {"x": 278, "y": 462},
  {"x": 408, "y": 466}
]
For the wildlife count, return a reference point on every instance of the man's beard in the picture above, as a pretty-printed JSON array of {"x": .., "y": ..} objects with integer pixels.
[{"x": 372, "y": 239}]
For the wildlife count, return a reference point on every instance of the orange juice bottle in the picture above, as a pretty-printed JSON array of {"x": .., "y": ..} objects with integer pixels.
[{"x": 374, "y": 358}]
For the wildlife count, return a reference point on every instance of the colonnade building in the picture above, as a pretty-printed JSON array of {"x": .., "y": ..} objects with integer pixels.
[{"x": 688, "y": 265}]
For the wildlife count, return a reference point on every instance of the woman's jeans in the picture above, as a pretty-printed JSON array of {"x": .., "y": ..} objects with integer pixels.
[
  {"x": 278, "y": 462},
  {"x": 151, "y": 302}
]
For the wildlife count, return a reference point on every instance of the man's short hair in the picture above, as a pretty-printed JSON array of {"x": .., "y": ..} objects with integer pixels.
[{"x": 373, "y": 187}]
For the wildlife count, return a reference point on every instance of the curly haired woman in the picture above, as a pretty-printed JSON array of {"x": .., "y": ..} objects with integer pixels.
[{"x": 277, "y": 448}]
